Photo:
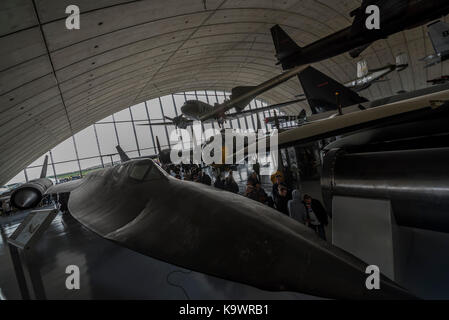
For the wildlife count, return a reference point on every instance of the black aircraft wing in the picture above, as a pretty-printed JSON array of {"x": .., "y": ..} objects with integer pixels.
[
  {"x": 321, "y": 91},
  {"x": 270, "y": 107}
]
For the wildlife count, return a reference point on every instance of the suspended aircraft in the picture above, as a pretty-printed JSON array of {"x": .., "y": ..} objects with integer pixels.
[
  {"x": 395, "y": 16},
  {"x": 439, "y": 37},
  {"x": 366, "y": 77},
  {"x": 194, "y": 110},
  {"x": 441, "y": 80}
]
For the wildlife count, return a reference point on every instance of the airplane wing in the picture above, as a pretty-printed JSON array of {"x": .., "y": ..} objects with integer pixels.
[
  {"x": 251, "y": 92},
  {"x": 252, "y": 111},
  {"x": 363, "y": 118},
  {"x": 376, "y": 115},
  {"x": 64, "y": 187},
  {"x": 178, "y": 121}
]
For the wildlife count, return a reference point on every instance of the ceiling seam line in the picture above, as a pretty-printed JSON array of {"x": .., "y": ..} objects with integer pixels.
[
  {"x": 52, "y": 66},
  {"x": 191, "y": 35}
]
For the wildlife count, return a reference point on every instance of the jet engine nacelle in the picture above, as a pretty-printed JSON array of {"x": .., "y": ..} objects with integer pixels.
[{"x": 30, "y": 194}]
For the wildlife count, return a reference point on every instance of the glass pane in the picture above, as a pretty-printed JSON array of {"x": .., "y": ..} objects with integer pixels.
[
  {"x": 179, "y": 101},
  {"x": 123, "y": 115},
  {"x": 86, "y": 143},
  {"x": 147, "y": 152},
  {"x": 139, "y": 112},
  {"x": 107, "y": 138},
  {"x": 167, "y": 105},
  {"x": 154, "y": 109},
  {"x": 126, "y": 136},
  {"x": 64, "y": 151},
  {"x": 144, "y": 136}
]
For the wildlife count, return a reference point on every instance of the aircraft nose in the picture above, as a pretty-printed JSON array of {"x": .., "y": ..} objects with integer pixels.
[{"x": 26, "y": 198}]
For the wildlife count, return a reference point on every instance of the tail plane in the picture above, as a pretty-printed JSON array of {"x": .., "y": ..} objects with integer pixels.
[
  {"x": 324, "y": 93},
  {"x": 284, "y": 45},
  {"x": 123, "y": 156},
  {"x": 44, "y": 168}
]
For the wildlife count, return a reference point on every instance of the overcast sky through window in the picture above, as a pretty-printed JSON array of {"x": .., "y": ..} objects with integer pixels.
[{"x": 95, "y": 145}]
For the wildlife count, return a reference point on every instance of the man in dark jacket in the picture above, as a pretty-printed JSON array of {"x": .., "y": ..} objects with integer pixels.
[
  {"x": 316, "y": 215},
  {"x": 253, "y": 179},
  {"x": 230, "y": 184},
  {"x": 205, "y": 178},
  {"x": 281, "y": 200}
]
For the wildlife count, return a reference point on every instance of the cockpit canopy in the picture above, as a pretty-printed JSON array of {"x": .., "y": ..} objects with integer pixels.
[{"x": 145, "y": 170}]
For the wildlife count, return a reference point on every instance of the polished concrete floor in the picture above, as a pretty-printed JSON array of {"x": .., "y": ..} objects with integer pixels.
[{"x": 108, "y": 271}]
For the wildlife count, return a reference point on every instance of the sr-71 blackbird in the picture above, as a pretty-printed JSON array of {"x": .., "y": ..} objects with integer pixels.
[{"x": 139, "y": 206}]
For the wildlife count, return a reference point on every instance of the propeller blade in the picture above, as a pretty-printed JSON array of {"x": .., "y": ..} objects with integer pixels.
[{"x": 171, "y": 119}]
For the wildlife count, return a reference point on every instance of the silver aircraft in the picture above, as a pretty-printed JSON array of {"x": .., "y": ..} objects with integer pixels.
[
  {"x": 241, "y": 96},
  {"x": 439, "y": 36},
  {"x": 366, "y": 77}
]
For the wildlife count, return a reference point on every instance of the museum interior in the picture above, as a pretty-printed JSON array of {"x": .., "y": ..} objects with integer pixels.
[{"x": 224, "y": 149}]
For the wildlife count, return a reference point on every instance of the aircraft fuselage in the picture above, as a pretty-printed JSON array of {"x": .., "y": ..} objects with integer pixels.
[
  {"x": 193, "y": 109},
  {"x": 212, "y": 231},
  {"x": 395, "y": 16}
]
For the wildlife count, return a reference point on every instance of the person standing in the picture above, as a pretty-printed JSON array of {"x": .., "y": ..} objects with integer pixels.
[
  {"x": 296, "y": 208},
  {"x": 282, "y": 200},
  {"x": 316, "y": 215}
]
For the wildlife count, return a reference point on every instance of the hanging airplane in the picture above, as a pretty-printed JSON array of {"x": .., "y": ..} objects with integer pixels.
[
  {"x": 395, "y": 16},
  {"x": 439, "y": 36},
  {"x": 214, "y": 232},
  {"x": 440, "y": 80},
  {"x": 323, "y": 94},
  {"x": 366, "y": 77},
  {"x": 194, "y": 110}
]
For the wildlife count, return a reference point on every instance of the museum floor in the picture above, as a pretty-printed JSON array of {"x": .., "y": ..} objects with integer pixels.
[{"x": 108, "y": 271}]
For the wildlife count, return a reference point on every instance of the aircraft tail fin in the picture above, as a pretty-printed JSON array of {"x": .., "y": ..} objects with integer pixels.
[
  {"x": 123, "y": 156},
  {"x": 439, "y": 36},
  {"x": 283, "y": 44},
  {"x": 321, "y": 91},
  {"x": 362, "y": 68},
  {"x": 44, "y": 168},
  {"x": 401, "y": 61}
]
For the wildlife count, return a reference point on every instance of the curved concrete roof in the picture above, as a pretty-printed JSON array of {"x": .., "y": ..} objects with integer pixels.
[{"x": 55, "y": 82}]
